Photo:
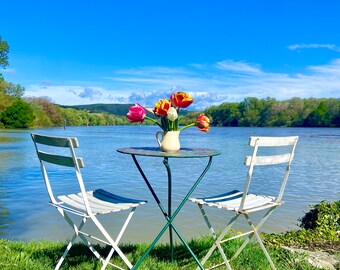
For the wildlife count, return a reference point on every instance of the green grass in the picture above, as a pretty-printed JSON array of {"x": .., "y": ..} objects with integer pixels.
[
  {"x": 320, "y": 231},
  {"x": 44, "y": 255}
]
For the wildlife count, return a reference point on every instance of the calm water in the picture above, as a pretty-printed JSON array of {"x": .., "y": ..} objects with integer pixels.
[{"x": 25, "y": 214}]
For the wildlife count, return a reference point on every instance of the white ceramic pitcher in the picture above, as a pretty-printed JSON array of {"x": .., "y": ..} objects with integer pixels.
[{"x": 170, "y": 141}]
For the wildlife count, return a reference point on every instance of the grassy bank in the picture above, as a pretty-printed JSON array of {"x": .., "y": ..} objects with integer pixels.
[
  {"x": 320, "y": 230},
  {"x": 44, "y": 255}
]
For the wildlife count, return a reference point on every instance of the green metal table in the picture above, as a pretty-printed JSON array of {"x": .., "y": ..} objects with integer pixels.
[{"x": 183, "y": 153}]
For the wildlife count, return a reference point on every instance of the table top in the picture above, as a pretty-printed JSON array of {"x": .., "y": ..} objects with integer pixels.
[{"x": 182, "y": 153}]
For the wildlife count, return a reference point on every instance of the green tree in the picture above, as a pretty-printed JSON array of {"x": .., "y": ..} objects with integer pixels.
[
  {"x": 188, "y": 118},
  {"x": 14, "y": 90},
  {"x": 277, "y": 115},
  {"x": 264, "y": 106},
  {"x": 296, "y": 111},
  {"x": 214, "y": 113},
  {"x": 250, "y": 110},
  {"x": 72, "y": 117},
  {"x": 336, "y": 120},
  {"x": 5, "y": 100},
  {"x": 18, "y": 115},
  {"x": 47, "y": 113},
  {"x": 318, "y": 117},
  {"x": 4, "y": 50},
  {"x": 333, "y": 111}
]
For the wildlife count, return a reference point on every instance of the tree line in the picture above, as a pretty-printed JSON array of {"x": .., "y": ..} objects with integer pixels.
[
  {"x": 295, "y": 112},
  {"x": 35, "y": 112},
  {"x": 19, "y": 112}
]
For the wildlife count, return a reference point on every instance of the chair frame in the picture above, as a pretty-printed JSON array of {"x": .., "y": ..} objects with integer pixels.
[
  {"x": 251, "y": 161},
  {"x": 87, "y": 213}
]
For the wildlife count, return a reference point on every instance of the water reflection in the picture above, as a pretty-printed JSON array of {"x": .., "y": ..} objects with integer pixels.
[{"x": 6, "y": 157}]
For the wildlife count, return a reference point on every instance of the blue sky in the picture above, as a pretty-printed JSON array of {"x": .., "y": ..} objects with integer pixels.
[{"x": 82, "y": 52}]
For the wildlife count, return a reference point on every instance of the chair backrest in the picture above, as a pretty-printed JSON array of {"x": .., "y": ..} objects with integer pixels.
[
  {"x": 285, "y": 156},
  {"x": 52, "y": 156}
]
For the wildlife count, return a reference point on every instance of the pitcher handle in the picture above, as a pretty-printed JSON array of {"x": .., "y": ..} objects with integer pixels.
[{"x": 157, "y": 137}]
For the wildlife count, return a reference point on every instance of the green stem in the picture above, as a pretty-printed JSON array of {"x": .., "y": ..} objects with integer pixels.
[
  {"x": 176, "y": 124},
  {"x": 153, "y": 120},
  {"x": 191, "y": 125}
]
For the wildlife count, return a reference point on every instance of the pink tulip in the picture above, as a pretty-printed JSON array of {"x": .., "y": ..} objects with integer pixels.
[{"x": 136, "y": 113}]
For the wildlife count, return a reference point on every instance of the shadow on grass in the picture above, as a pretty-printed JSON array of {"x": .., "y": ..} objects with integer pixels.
[
  {"x": 45, "y": 255},
  {"x": 80, "y": 257}
]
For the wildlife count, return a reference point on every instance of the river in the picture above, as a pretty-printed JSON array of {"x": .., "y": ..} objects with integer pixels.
[{"x": 25, "y": 214}]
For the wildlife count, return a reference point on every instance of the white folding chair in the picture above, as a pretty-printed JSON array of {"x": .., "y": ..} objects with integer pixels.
[
  {"x": 244, "y": 202},
  {"x": 86, "y": 204}
]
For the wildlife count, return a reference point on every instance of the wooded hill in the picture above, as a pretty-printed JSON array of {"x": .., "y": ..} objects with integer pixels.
[
  {"x": 116, "y": 109},
  {"x": 253, "y": 112}
]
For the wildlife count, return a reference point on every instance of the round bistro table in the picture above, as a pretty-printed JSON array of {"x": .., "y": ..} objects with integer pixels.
[{"x": 183, "y": 153}]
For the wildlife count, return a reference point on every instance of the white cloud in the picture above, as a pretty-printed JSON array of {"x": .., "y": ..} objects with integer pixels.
[
  {"x": 333, "y": 68},
  {"x": 209, "y": 84},
  {"x": 314, "y": 46},
  {"x": 76, "y": 95},
  {"x": 240, "y": 67}
]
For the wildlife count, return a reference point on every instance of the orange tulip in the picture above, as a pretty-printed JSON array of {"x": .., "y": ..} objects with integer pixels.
[
  {"x": 181, "y": 99},
  {"x": 162, "y": 107},
  {"x": 203, "y": 123}
]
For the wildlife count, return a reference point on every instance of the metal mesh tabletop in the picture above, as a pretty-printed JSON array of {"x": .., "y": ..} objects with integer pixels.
[{"x": 182, "y": 153}]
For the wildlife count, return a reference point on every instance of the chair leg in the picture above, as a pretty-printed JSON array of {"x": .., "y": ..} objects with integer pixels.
[
  {"x": 255, "y": 228},
  {"x": 257, "y": 236},
  {"x": 254, "y": 234},
  {"x": 217, "y": 239},
  {"x": 69, "y": 246},
  {"x": 112, "y": 243},
  {"x": 119, "y": 237},
  {"x": 89, "y": 245},
  {"x": 207, "y": 221},
  {"x": 76, "y": 234}
]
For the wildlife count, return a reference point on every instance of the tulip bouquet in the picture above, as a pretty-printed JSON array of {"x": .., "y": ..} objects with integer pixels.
[{"x": 167, "y": 110}]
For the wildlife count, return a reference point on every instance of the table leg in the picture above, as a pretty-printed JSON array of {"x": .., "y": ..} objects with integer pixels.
[
  {"x": 170, "y": 219},
  {"x": 166, "y": 164}
]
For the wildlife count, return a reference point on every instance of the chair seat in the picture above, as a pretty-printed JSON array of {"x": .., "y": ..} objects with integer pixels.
[
  {"x": 231, "y": 201},
  {"x": 101, "y": 202}
]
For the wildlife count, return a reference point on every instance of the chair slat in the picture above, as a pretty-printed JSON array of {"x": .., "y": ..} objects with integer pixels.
[
  {"x": 60, "y": 160},
  {"x": 267, "y": 160},
  {"x": 113, "y": 198},
  {"x": 94, "y": 201},
  {"x": 72, "y": 203},
  {"x": 54, "y": 141},
  {"x": 272, "y": 141},
  {"x": 96, "y": 207},
  {"x": 225, "y": 196}
]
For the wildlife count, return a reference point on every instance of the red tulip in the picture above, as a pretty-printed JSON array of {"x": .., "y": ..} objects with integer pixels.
[
  {"x": 203, "y": 123},
  {"x": 136, "y": 113},
  {"x": 181, "y": 99},
  {"x": 162, "y": 107}
]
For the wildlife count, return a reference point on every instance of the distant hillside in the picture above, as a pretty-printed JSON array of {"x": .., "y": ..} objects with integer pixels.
[{"x": 116, "y": 109}]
